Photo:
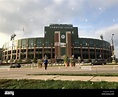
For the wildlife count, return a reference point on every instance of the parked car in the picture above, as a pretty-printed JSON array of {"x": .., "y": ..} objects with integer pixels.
[
  {"x": 116, "y": 60},
  {"x": 98, "y": 62},
  {"x": 59, "y": 61},
  {"x": 15, "y": 65},
  {"x": 0, "y": 62}
]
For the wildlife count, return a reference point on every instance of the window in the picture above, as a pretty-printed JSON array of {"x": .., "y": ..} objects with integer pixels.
[
  {"x": 91, "y": 42},
  {"x": 84, "y": 42},
  {"x": 72, "y": 32},
  {"x": 46, "y": 43},
  {"x": 104, "y": 44},
  {"x": 77, "y": 43},
  {"x": 31, "y": 42},
  {"x": 24, "y": 42},
  {"x": 39, "y": 44}
]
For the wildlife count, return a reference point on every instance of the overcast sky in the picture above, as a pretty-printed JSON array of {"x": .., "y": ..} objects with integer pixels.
[{"x": 92, "y": 17}]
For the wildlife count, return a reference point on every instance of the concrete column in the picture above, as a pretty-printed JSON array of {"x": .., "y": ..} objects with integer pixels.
[
  {"x": 51, "y": 51},
  {"x": 7, "y": 54},
  {"x": 20, "y": 53},
  {"x": 72, "y": 49},
  {"x": 81, "y": 51},
  {"x": 27, "y": 51},
  {"x": 11, "y": 52},
  {"x": 88, "y": 51},
  {"x": 95, "y": 51},
  {"x": 57, "y": 43},
  {"x": 107, "y": 53},
  {"x": 42, "y": 50},
  {"x": 16, "y": 53},
  {"x": 100, "y": 51},
  {"x": 68, "y": 42},
  {"x": 34, "y": 50}
]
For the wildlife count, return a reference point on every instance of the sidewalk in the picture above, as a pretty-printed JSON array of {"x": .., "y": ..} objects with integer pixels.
[
  {"x": 75, "y": 78},
  {"x": 64, "y": 78}
]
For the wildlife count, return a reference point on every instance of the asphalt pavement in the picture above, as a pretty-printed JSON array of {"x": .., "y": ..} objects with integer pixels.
[{"x": 29, "y": 71}]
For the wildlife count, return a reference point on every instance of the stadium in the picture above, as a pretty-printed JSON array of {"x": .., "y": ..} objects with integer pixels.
[{"x": 58, "y": 40}]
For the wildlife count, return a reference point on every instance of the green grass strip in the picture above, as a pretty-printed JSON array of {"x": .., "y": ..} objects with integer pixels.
[{"x": 86, "y": 74}]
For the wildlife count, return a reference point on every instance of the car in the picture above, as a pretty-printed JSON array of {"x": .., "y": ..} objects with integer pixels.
[
  {"x": 0, "y": 62},
  {"x": 15, "y": 66},
  {"x": 59, "y": 61},
  {"x": 116, "y": 60},
  {"x": 98, "y": 62}
]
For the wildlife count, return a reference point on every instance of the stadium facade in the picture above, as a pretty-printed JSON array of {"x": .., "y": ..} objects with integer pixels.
[{"x": 58, "y": 40}]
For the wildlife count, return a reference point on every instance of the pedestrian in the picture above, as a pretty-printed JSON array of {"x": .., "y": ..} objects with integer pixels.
[{"x": 46, "y": 63}]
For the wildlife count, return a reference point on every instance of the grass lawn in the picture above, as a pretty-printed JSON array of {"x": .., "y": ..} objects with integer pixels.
[{"x": 52, "y": 84}]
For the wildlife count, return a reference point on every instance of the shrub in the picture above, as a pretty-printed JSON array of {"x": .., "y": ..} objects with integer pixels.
[
  {"x": 34, "y": 60},
  {"x": 27, "y": 60}
]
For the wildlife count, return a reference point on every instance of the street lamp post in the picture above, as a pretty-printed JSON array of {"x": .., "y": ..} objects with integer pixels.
[{"x": 112, "y": 50}]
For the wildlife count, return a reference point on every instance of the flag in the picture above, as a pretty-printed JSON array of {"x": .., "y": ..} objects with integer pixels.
[
  {"x": 101, "y": 36},
  {"x": 12, "y": 37}
]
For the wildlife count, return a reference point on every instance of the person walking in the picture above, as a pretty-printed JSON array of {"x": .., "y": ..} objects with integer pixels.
[{"x": 45, "y": 62}]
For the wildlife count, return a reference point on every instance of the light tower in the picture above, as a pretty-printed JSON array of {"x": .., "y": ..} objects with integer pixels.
[
  {"x": 12, "y": 39},
  {"x": 112, "y": 50}
]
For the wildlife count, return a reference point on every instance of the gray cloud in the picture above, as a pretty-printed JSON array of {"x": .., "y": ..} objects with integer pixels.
[
  {"x": 109, "y": 31},
  {"x": 36, "y": 13},
  {"x": 33, "y": 15}
]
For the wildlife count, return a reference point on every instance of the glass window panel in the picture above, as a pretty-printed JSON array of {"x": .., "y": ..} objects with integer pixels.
[
  {"x": 46, "y": 43},
  {"x": 24, "y": 42},
  {"x": 31, "y": 42},
  {"x": 84, "y": 42},
  {"x": 91, "y": 42},
  {"x": 39, "y": 44}
]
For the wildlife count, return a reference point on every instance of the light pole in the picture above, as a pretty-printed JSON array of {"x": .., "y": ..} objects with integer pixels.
[
  {"x": 12, "y": 39},
  {"x": 102, "y": 55},
  {"x": 112, "y": 50},
  {"x": 112, "y": 41}
]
